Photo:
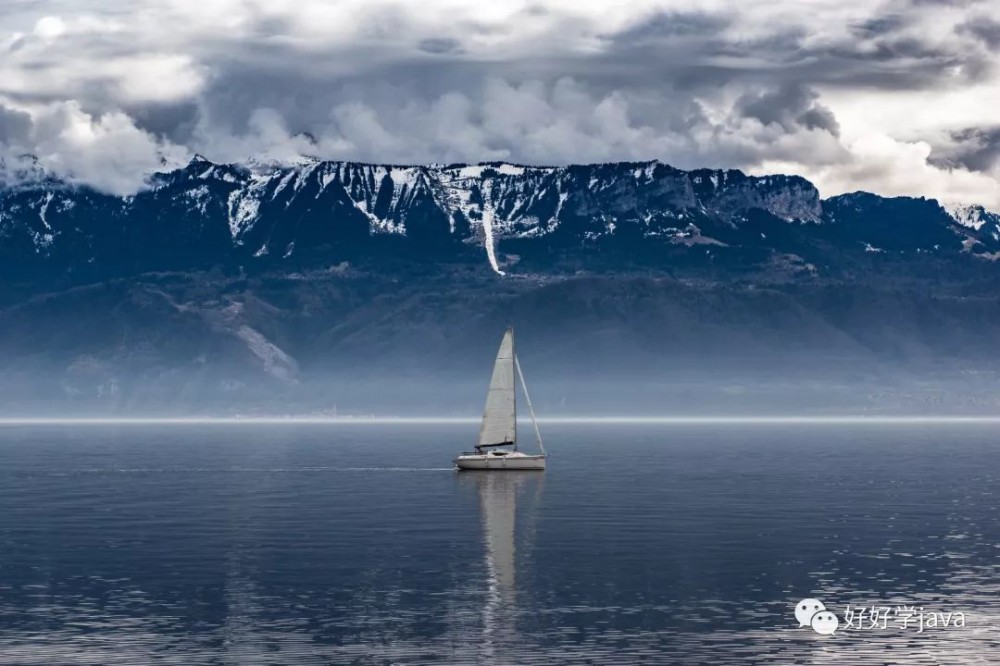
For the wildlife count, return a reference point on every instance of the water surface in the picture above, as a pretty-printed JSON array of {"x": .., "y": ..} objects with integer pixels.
[{"x": 314, "y": 544}]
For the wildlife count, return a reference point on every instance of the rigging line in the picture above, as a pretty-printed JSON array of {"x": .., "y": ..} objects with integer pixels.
[
  {"x": 513, "y": 355},
  {"x": 527, "y": 398}
]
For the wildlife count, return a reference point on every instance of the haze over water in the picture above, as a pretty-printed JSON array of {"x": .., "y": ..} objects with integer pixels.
[{"x": 321, "y": 543}]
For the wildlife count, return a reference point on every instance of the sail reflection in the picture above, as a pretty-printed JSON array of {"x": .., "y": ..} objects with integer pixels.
[{"x": 499, "y": 493}]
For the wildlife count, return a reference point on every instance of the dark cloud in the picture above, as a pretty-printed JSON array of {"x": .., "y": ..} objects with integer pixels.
[
  {"x": 974, "y": 148},
  {"x": 946, "y": 3},
  {"x": 175, "y": 122},
  {"x": 984, "y": 29},
  {"x": 16, "y": 44},
  {"x": 438, "y": 45},
  {"x": 667, "y": 25},
  {"x": 696, "y": 50},
  {"x": 791, "y": 106},
  {"x": 882, "y": 25},
  {"x": 14, "y": 126}
]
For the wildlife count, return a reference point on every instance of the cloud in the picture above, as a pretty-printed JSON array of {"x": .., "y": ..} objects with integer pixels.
[
  {"x": 14, "y": 126},
  {"x": 983, "y": 28},
  {"x": 540, "y": 123},
  {"x": 973, "y": 148},
  {"x": 790, "y": 106},
  {"x": 439, "y": 45},
  {"x": 108, "y": 151},
  {"x": 845, "y": 91}
]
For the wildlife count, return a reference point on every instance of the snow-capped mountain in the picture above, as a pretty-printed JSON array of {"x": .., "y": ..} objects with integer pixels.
[
  {"x": 254, "y": 283},
  {"x": 210, "y": 214},
  {"x": 974, "y": 216}
]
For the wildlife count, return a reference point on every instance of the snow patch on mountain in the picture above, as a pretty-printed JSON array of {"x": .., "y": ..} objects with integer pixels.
[
  {"x": 490, "y": 242},
  {"x": 510, "y": 170},
  {"x": 44, "y": 209},
  {"x": 690, "y": 235},
  {"x": 243, "y": 207},
  {"x": 199, "y": 198},
  {"x": 456, "y": 194},
  {"x": 283, "y": 183},
  {"x": 968, "y": 215}
]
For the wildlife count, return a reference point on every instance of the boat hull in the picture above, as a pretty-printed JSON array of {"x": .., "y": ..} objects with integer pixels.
[{"x": 500, "y": 463}]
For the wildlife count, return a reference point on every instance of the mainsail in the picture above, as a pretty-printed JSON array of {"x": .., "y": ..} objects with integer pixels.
[{"x": 499, "y": 417}]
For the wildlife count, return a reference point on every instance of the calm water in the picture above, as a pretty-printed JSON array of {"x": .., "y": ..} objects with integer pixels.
[{"x": 358, "y": 544}]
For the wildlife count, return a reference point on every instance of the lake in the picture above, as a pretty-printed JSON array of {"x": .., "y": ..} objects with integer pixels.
[{"x": 358, "y": 544}]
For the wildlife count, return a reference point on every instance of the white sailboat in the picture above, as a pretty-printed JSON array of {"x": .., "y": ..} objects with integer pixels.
[{"x": 496, "y": 448}]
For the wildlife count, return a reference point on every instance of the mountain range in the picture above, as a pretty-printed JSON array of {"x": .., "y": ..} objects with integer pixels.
[{"x": 296, "y": 287}]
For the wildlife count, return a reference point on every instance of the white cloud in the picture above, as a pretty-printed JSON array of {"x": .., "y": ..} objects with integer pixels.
[
  {"x": 106, "y": 151},
  {"x": 156, "y": 77},
  {"x": 877, "y": 162},
  {"x": 71, "y": 59},
  {"x": 50, "y": 27}
]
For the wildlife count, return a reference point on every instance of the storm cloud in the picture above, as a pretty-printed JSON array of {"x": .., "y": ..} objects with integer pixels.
[
  {"x": 975, "y": 148},
  {"x": 894, "y": 97}
]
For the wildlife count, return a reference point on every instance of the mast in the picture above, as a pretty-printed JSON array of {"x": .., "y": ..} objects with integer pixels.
[{"x": 527, "y": 399}]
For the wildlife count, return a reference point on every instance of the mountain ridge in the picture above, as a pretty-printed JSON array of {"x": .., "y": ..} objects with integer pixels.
[{"x": 207, "y": 213}]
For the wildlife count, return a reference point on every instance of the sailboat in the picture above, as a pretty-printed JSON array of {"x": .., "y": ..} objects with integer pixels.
[{"x": 496, "y": 447}]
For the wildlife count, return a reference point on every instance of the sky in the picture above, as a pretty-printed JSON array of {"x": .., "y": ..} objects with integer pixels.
[{"x": 898, "y": 97}]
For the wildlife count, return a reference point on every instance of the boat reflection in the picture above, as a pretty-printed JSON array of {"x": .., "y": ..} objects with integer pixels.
[{"x": 499, "y": 493}]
